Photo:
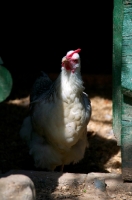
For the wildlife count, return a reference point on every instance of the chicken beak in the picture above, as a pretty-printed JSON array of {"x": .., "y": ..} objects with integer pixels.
[
  {"x": 64, "y": 59},
  {"x": 66, "y": 64}
]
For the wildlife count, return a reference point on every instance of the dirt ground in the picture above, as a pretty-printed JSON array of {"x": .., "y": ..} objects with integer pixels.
[{"x": 103, "y": 154}]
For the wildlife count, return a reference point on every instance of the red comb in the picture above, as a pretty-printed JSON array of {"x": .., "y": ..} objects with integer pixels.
[{"x": 76, "y": 51}]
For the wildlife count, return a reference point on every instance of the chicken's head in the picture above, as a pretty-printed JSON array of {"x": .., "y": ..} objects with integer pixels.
[{"x": 71, "y": 62}]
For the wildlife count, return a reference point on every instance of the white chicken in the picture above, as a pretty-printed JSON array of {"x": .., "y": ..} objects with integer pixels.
[{"x": 56, "y": 128}]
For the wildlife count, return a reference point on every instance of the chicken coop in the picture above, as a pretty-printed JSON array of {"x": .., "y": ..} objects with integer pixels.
[{"x": 122, "y": 82}]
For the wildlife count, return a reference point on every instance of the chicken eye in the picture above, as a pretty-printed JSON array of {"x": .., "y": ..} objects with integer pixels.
[{"x": 75, "y": 61}]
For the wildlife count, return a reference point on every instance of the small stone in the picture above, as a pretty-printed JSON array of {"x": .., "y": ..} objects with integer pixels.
[
  {"x": 123, "y": 198},
  {"x": 17, "y": 187},
  {"x": 108, "y": 117},
  {"x": 130, "y": 193},
  {"x": 100, "y": 184},
  {"x": 65, "y": 187}
]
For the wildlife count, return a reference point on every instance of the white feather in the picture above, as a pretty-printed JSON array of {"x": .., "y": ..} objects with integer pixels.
[{"x": 56, "y": 130}]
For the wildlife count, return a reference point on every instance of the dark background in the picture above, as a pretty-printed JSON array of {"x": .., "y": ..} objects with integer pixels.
[{"x": 35, "y": 37}]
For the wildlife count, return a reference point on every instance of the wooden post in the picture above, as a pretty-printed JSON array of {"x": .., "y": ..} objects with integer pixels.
[
  {"x": 117, "y": 62},
  {"x": 122, "y": 82},
  {"x": 126, "y": 85}
]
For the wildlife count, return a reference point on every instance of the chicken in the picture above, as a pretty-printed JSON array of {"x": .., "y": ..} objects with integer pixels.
[{"x": 56, "y": 128}]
